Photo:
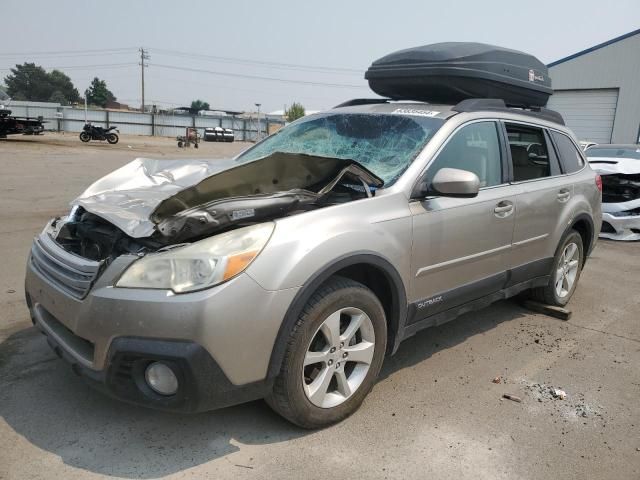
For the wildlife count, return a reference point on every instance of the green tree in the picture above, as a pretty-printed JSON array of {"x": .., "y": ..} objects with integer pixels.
[
  {"x": 58, "y": 97},
  {"x": 98, "y": 93},
  {"x": 294, "y": 112},
  {"x": 198, "y": 105},
  {"x": 32, "y": 82},
  {"x": 63, "y": 88}
]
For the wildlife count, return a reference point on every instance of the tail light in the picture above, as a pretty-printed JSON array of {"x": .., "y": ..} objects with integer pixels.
[{"x": 599, "y": 182}]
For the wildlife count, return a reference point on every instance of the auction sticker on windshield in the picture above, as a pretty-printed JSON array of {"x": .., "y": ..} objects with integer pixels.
[{"x": 413, "y": 111}]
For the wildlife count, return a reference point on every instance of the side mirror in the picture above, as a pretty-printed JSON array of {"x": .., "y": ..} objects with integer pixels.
[{"x": 451, "y": 182}]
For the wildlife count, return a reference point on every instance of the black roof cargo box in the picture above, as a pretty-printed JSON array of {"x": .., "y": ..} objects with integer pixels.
[{"x": 454, "y": 71}]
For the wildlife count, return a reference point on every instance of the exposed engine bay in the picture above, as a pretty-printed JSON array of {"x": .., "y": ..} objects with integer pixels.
[
  {"x": 620, "y": 188},
  {"x": 161, "y": 209},
  {"x": 620, "y": 197}
]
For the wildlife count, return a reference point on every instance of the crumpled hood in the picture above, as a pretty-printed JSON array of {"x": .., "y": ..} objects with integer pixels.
[
  {"x": 143, "y": 193},
  {"x": 615, "y": 165},
  {"x": 128, "y": 196}
]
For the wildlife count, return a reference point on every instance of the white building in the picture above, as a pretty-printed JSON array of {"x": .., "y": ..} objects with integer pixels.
[{"x": 597, "y": 90}]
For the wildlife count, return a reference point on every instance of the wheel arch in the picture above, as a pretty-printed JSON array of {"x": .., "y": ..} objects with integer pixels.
[
  {"x": 583, "y": 224},
  {"x": 370, "y": 269}
]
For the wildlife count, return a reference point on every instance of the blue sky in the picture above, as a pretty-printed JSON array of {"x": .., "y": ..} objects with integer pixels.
[{"x": 317, "y": 51}]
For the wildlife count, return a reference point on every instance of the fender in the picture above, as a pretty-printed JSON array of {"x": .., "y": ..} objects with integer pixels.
[
  {"x": 592, "y": 233},
  {"x": 398, "y": 302}
]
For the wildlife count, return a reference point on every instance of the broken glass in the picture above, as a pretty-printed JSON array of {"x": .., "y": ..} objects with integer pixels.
[{"x": 385, "y": 144}]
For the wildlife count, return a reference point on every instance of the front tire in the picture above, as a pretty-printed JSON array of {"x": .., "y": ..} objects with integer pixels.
[
  {"x": 85, "y": 137},
  {"x": 333, "y": 356},
  {"x": 567, "y": 266}
]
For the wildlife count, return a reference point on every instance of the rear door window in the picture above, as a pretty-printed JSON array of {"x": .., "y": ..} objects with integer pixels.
[
  {"x": 529, "y": 153},
  {"x": 570, "y": 157}
]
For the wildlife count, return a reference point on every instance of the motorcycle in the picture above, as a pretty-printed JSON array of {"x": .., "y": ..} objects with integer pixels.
[{"x": 91, "y": 132}]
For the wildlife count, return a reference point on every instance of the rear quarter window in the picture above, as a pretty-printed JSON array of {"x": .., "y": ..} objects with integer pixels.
[{"x": 570, "y": 158}]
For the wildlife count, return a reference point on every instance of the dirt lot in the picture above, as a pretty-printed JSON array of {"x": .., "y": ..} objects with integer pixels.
[{"x": 434, "y": 414}]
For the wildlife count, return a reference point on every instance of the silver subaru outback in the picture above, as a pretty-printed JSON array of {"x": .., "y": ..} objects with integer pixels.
[{"x": 289, "y": 272}]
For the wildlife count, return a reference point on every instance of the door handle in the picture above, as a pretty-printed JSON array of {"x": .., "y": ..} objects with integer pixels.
[
  {"x": 503, "y": 209},
  {"x": 563, "y": 195}
]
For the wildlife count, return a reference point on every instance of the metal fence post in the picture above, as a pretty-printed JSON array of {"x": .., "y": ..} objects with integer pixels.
[{"x": 107, "y": 117}]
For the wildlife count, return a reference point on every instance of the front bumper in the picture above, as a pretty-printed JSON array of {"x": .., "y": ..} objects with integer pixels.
[
  {"x": 621, "y": 221},
  {"x": 202, "y": 384},
  {"x": 218, "y": 341}
]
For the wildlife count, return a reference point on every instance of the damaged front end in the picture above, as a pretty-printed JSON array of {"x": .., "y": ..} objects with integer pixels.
[
  {"x": 151, "y": 205},
  {"x": 620, "y": 197}
]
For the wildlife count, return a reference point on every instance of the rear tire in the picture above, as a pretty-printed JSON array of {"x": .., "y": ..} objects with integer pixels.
[
  {"x": 112, "y": 138},
  {"x": 567, "y": 266},
  {"x": 85, "y": 137},
  {"x": 323, "y": 381}
]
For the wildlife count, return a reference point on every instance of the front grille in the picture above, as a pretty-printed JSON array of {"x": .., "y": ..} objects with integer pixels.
[{"x": 71, "y": 273}]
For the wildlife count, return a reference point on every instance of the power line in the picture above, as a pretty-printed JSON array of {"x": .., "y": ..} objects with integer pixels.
[
  {"x": 257, "y": 77},
  {"x": 48, "y": 57},
  {"x": 70, "y": 53},
  {"x": 177, "y": 53},
  {"x": 78, "y": 67},
  {"x": 234, "y": 88},
  {"x": 244, "y": 61}
]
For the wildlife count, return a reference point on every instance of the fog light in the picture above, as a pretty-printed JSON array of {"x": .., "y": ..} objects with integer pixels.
[{"x": 161, "y": 379}]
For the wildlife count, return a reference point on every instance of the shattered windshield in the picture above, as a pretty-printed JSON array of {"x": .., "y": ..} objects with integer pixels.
[{"x": 385, "y": 144}]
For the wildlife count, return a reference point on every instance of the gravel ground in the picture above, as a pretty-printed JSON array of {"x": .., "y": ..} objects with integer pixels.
[{"x": 435, "y": 413}]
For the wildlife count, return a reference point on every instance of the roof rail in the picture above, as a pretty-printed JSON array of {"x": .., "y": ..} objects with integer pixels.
[
  {"x": 498, "y": 105},
  {"x": 362, "y": 101}
]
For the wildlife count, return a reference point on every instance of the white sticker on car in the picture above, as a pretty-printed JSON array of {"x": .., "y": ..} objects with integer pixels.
[
  {"x": 413, "y": 111},
  {"x": 245, "y": 213}
]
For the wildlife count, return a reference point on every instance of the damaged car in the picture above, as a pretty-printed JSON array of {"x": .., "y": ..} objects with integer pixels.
[
  {"x": 290, "y": 271},
  {"x": 619, "y": 167}
]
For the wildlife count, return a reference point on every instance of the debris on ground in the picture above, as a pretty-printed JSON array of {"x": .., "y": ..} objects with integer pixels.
[
  {"x": 511, "y": 397},
  {"x": 11, "y": 290},
  {"x": 576, "y": 407},
  {"x": 496, "y": 380},
  {"x": 558, "y": 393},
  {"x": 545, "y": 392},
  {"x": 540, "y": 336}
]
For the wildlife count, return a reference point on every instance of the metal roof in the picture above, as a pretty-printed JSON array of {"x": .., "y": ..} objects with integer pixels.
[{"x": 596, "y": 47}]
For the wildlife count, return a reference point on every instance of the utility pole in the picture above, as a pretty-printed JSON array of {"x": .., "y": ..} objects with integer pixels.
[
  {"x": 143, "y": 56},
  {"x": 259, "y": 126}
]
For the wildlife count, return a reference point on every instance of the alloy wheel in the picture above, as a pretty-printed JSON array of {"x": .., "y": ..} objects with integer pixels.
[
  {"x": 567, "y": 270},
  {"x": 338, "y": 357}
]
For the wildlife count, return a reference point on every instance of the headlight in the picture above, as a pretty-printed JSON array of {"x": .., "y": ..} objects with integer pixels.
[{"x": 200, "y": 265}]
